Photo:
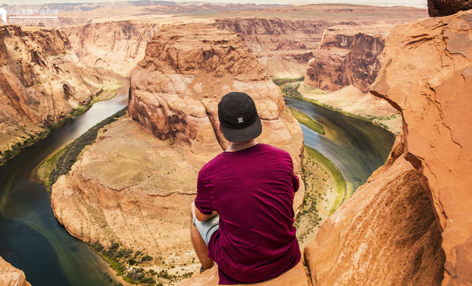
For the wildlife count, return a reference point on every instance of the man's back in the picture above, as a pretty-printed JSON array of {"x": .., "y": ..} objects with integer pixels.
[{"x": 252, "y": 190}]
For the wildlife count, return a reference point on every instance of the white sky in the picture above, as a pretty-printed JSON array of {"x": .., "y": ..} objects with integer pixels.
[{"x": 412, "y": 3}]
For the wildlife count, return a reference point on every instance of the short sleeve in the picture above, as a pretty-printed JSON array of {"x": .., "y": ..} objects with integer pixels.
[{"x": 203, "y": 199}]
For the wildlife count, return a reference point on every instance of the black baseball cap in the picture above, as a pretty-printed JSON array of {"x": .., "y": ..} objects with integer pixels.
[{"x": 238, "y": 117}]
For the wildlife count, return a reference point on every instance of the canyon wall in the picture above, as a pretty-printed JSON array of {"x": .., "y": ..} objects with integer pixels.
[
  {"x": 41, "y": 82},
  {"x": 347, "y": 57},
  {"x": 282, "y": 46},
  {"x": 390, "y": 232},
  {"x": 10, "y": 276},
  {"x": 386, "y": 234},
  {"x": 117, "y": 45},
  {"x": 134, "y": 185},
  {"x": 439, "y": 8},
  {"x": 428, "y": 77}
]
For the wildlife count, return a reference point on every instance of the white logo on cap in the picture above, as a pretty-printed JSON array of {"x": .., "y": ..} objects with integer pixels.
[{"x": 240, "y": 120}]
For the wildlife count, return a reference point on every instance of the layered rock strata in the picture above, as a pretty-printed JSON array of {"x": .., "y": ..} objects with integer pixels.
[
  {"x": 428, "y": 77},
  {"x": 41, "y": 82},
  {"x": 282, "y": 46},
  {"x": 346, "y": 57},
  {"x": 134, "y": 185},
  {"x": 117, "y": 46},
  {"x": 10, "y": 276},
  {"x": 386, "y": 234},
  {"x": 440, "y": 8}
]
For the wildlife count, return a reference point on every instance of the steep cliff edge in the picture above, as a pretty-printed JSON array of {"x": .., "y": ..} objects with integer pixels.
[
  {"x": 282, "y": 46},
  {"x": 10, "y": 276},
  {"x": 428, "y": 77},
  {"x": 386, "y": 234},
  {"x": 41, "y": 82},
  {"x": 420, "y": 200},
  {"x": 133, "y": 186},
  {"x": 117, "y": 46}
]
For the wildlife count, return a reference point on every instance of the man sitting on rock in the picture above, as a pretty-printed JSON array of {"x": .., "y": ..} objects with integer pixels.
[{"x": 242, "y": 217}]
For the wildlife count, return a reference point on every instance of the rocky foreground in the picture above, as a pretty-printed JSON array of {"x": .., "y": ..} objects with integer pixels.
[
  {"x": 134, "y": 185},
  {"x": 41, "y": 82},
  {"x": 10, "y": 276}
]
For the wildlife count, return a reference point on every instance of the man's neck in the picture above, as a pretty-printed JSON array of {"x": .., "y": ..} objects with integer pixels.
[{"x": 238, "y": 146}]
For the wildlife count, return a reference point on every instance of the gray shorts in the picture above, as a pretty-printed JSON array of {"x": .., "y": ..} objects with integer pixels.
[{"x": 208, "y": 227}]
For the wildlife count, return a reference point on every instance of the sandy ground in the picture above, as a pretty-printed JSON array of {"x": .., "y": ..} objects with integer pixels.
[{"x": 320, "y": 196}]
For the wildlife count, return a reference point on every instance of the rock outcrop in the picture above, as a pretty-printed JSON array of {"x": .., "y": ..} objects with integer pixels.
[
  {"x": 428, "y": 77},
  {"x": 295, "y": 276},
  {"x": 347, "y": 56},
  {"x": 41, "y": 82},
  {"x": 187, "y": 69},
  {"x": 283, "y": 46},
  {"x": 134, "y": 185},
  {"x": 117, "y": 46},
  {"x": 386, "y": 234},
  {"x": 440, "y": 8},
  {"x": 10, "y": 276}
]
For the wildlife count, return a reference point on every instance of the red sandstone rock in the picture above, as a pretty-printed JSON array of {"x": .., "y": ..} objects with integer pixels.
[
  {"x": 118, "y": 46},
  {"x": 439, "y": 8},
  {"x": 386, "y": 234},
  {"x": 282, "y": 46},
  {"x": 295, "y": 277},
  {"x": 187, "y": 69},
  {"x": 428, "y": 77},
  {"x": 347, "y": 56},
  {"x": 10, "y": 276},
  {"x": 41, "y": 81}
]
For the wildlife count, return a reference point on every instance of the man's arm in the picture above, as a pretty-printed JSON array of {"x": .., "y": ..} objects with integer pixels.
[{"x": 200, "y": 216}]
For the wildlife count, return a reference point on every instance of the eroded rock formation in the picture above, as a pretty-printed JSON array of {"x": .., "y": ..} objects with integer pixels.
[
  {"x": 41, "y": 82},
  {"x": 346, "y": 57},
  {"x": 282, "y": 46},
  {"x": 439, "y": 8},
  {"x": 187, "y": 69},
  {"x": 10, "y": 276},
  {"x": 135, "y": 183},
  {"x": 428, "y": 77},
  {"x": 386, "y": 234},
  {"x": 118, "y": 46}
]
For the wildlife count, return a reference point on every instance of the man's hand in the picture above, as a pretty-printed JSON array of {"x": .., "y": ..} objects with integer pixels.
[{"x": 199, "y": 215}]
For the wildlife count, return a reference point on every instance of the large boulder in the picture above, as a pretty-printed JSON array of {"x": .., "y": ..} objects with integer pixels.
[
  {"x": 10, "y": 276},
  {"x": 428, "y": 77}
]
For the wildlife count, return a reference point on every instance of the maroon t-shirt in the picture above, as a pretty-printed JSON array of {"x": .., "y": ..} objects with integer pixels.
[{"x": 252, "y": 190}]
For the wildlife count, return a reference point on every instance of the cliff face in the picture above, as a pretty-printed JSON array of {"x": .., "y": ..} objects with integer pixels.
[
  {"x": 386, "y": 234},
  {"x": 282, "y": 46},
  {"x": 10, "y": 276},
  {"x": 134, "y": 185},
  {"x": 347, "y": 57},
  {"x": 41, "y": 82},
  {"x": 439, "y": 8},
  {"x": 118, "y": 46},
  {"x": 428, "y": 77}
]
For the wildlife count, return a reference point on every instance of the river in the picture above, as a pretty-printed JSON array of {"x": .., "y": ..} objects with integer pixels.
[
  {"x": 357, "y": 147},
  {"x": 32, "y": 240}
]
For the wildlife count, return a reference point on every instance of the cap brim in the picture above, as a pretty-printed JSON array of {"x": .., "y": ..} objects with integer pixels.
[{"x": 241, "y": 135}]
